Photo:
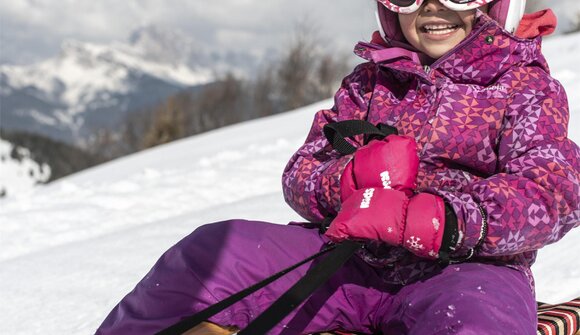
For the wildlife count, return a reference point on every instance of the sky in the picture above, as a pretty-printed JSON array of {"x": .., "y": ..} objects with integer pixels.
[{"x": 32, "y": 30}]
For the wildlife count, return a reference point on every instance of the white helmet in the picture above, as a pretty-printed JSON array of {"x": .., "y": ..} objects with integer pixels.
[{"x": 508, "y": 13}]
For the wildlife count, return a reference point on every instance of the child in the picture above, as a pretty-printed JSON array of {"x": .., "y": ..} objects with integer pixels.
[{"x": 481, "y": 176}]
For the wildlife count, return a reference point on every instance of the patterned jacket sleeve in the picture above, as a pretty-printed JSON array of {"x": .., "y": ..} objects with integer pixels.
[
  {"x": 311, "y": 178},
  {"x": 534, "y": 199}
]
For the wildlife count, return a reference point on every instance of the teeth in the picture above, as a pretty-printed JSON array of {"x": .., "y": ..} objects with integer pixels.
[
  {"x": 440, "y": 29},
  {"x": 439, "y": 26},
  {"x": 440, "y": 32}
]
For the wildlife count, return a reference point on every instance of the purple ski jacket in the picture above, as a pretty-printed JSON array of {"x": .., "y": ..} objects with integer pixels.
[{"x": 491, "y": 127}]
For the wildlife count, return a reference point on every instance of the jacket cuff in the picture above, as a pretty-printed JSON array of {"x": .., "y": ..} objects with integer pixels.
[{"x": 471, "y": 224}]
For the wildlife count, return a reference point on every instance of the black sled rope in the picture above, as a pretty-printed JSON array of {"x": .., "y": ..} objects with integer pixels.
[
  {"x": 298, "y": 293},
  {"x": 338, "y": 254},
  {"x": 194, "y": 320}
]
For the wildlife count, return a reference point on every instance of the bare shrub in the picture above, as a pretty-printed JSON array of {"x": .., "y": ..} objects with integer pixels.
[{"x": 304, "y": 74}]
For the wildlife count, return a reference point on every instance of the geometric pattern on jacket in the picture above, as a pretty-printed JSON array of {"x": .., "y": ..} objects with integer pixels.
[{"x": 491, "y": 127}]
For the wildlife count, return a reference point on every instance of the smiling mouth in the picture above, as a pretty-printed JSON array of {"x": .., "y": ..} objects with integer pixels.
[{"x": 439, "y": 29}]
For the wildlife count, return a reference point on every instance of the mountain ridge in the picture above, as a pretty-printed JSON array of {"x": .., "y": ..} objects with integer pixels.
[{"x": 89, "y": 86}]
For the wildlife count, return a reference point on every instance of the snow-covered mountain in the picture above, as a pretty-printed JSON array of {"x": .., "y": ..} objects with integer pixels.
[
  {"x": 89, "y": 86},
  {"x": 171, "y": 46}
]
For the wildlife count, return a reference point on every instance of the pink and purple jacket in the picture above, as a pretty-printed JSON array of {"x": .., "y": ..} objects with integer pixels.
[{"x": 491, "y": 127}]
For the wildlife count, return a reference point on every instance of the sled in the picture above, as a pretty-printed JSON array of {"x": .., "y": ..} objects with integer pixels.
[{"x": 561, "y": 319}]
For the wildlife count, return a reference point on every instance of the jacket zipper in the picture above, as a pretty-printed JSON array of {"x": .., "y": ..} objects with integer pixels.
[
  {"x": 429, "y": 121},
  {"x": 428, "y": 69},
  {"x": 461, "y": 45}
]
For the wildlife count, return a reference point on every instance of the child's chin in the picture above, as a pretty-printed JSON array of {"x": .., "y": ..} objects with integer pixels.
[{"x": 436, "y": 50}]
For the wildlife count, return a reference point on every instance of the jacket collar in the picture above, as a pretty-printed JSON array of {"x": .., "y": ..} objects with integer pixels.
[{"x": 486, "y": 53}]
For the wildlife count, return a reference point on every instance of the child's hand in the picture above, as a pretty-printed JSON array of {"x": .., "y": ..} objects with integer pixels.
[
  {"x": 390, "y": 163},
  {"x": 416, "y": 223}
]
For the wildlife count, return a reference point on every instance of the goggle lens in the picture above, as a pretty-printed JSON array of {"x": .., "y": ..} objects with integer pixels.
[
  {"x": 402, "y": 3},
  {"x": 409, "y": 6}
]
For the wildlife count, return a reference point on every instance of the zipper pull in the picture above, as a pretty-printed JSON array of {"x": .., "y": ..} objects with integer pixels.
[{"x": 427, "y": 69}]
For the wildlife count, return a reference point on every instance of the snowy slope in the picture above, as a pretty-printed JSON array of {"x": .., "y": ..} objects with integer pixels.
[
  {"x": 78, "y": 245},
  {"x": 70, "y": 251}
]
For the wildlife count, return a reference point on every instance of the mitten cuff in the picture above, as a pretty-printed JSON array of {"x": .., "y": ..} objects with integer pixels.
[{"x": 450, "y": 234}]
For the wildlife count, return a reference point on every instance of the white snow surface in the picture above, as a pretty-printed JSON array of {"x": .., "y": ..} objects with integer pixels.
[
  {"x": 72, "y": 249},
  {"x": 19, "y": 175}
]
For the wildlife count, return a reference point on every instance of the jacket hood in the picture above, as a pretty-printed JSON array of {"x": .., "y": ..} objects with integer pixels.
[
  {"x": 502, "y": 11},
  {"x": 487, "y": 52}
]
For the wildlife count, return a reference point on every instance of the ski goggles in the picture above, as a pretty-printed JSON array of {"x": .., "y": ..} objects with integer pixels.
[{"x": 410, "y": 6}]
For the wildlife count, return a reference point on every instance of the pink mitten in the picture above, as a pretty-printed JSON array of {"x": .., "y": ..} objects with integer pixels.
[
  {"x": 371, "y": 214},
  {"x": 390, "y": 216},
  {"x": 390, "y": 163}
]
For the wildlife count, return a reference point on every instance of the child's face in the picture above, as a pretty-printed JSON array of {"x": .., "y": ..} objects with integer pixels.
[{"x": 435, "y": 29}]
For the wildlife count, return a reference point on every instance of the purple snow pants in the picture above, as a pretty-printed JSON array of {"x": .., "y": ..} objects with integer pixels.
[{"x": 223, "y": 258}]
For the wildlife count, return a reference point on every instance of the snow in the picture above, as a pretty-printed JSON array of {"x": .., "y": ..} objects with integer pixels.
[
  {"x": 72, "y": 249},
  {"x": 78, "y": 245},
  {"x": 41, "y": 118},
  {"x": 561, "y": 52},
  {"x": 19, "y": 175}
]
